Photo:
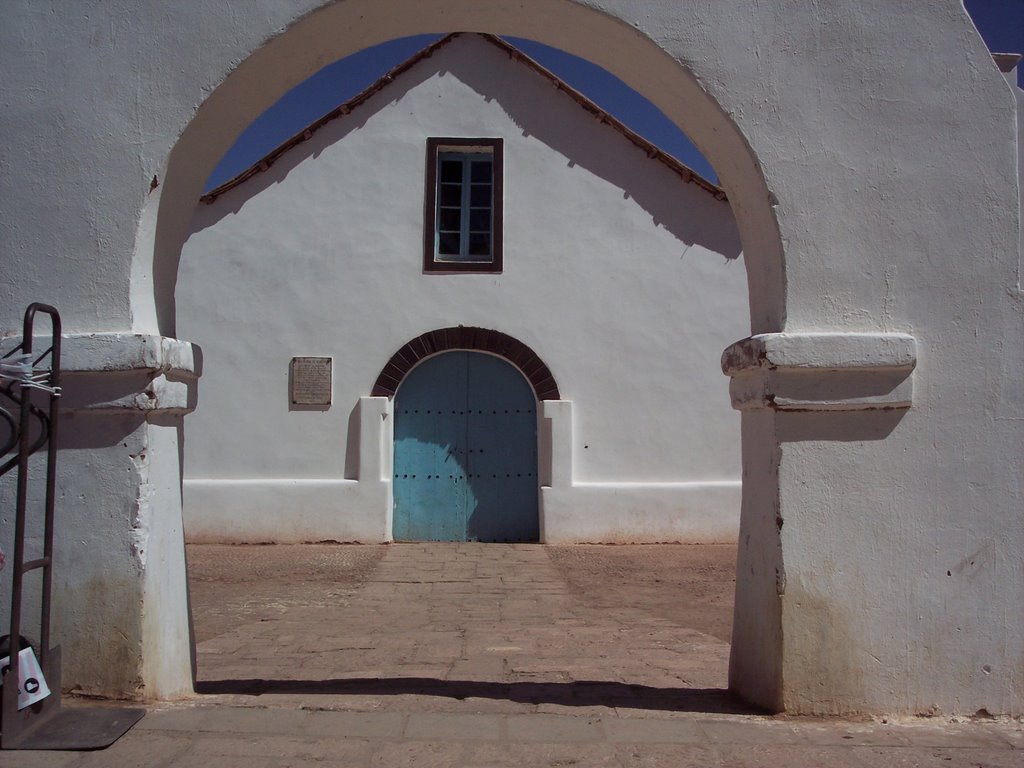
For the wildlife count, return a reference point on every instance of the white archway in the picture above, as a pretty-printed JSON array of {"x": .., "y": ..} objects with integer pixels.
[
  {"x": 870, "y": 154},
  {"x": 340, "y": 29}
]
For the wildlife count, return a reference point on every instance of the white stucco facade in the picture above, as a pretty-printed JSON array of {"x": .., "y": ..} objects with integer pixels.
[
  {"x": 869, "y": 153},
  {"x": 604, "y": 246}
]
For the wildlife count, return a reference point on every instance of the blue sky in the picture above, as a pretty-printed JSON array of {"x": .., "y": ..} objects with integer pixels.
[{"x": 1000, "y": 22}]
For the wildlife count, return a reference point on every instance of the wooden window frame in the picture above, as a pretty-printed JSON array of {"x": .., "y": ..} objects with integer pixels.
[{"x": 435, "y": 147}]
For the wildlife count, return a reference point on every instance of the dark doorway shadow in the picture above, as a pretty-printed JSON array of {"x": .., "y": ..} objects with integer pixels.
[{"x": 581, "y": 693}]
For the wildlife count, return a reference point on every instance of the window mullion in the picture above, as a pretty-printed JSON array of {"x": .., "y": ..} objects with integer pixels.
[{"x": 467, "y": 188}]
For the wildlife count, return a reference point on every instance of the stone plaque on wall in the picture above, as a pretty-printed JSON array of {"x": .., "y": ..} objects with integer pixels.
[{"x": 311, "y": 381}]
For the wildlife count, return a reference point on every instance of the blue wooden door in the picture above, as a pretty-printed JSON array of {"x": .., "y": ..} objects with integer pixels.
[{"x": 465, "y": 452}]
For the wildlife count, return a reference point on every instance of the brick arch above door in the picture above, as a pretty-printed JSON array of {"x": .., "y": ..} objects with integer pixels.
[{"x": 477, "y": 339}]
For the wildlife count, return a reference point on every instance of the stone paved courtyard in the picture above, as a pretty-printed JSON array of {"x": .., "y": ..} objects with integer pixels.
[{"x": 489, "y": 655}]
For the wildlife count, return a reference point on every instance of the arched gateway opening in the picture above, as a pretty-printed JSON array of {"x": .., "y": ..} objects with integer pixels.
[
  {"x": 342, "y": 28},
  {"x": 465, "y": 437}
]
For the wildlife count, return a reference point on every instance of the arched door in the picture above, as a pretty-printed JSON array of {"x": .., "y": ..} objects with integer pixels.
[{"x": 465, "y": 452}]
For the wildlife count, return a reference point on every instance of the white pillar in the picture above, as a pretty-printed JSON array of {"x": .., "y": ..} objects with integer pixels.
[
  {"x": 558, "y": 414},
  {"x": 800, "y": 392},
  {"x": 376, "y": 453},
  {"x": 120, "y": 605}
]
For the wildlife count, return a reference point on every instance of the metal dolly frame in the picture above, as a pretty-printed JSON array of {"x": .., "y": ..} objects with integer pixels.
[{"x": 45, "y": 724}]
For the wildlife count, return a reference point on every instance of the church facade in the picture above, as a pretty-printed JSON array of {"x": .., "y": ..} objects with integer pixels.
[{"x": 467, "y": 304}]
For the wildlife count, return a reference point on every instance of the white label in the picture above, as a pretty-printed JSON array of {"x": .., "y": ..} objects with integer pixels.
[{"x": 32, "y": 685}]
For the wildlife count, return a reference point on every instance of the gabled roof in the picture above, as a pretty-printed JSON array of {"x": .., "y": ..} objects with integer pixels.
[{"x": 686, "y": 173}]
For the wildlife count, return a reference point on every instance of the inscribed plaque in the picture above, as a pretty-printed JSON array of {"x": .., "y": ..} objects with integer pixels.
[{"x": 311, "y": 381}]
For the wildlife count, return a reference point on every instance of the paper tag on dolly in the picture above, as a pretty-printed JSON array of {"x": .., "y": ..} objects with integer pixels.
[{"x": 32, "y": 685}]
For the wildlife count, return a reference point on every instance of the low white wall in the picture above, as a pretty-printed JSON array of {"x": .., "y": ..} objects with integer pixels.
[
  {"x": 286, "y": 511},
  {"x": 291, "y": 511},
  {"x": 641, "y": 513},
  {"x": 297, "y": 510},
  {"x": 571, "y": 512}
]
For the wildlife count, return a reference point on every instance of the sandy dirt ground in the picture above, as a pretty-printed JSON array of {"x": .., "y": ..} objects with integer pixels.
[
  {"x": 689, "y": 585},
  {"x": 460, "y": 627},
  {"x": 232, "y": 585}
]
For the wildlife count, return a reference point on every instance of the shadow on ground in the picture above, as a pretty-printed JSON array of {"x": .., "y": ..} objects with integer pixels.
[{"x": 580, "y": 693}]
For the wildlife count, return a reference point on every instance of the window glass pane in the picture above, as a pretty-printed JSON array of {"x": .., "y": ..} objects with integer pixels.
[
  {"x": 480, "y": 219},
  {"x": 450, "y": 219},
  {"x": 479, "y": 244},
  {"x": 480, "y": 171},
  {"x": 448, "y": 243},
  {"x": 480, "y": 195},
  {"x": 451, "y": 170},
  {"x": 451, "y": 194}
]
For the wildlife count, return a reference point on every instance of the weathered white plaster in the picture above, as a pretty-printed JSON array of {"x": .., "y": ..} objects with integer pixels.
[
  {"x": 601, "y": 244},
  {"x": 113, "y": 352},
  {"x": 821, "y": 371},
  {"x": 1008, "y": 64},
  {"x": 157, "y": 544},
  {"x": 119, "y": 493},
  {"x": 839, "y": 351},
  {"x": 869, "y": 153}
]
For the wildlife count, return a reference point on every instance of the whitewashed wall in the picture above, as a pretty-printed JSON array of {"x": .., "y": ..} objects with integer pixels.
[
  {"x": 627, "y": 281},
  {"x": 869, "y": 150}
]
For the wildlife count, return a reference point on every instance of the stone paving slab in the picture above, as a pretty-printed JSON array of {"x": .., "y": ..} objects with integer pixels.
[{"x": 185, "y": 734}]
